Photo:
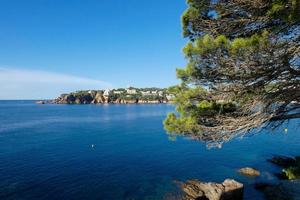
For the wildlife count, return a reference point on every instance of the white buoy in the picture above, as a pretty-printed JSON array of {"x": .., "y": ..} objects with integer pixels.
[
  {"x": 285, "y": 130},
  {"x": 92, "y": 145}
]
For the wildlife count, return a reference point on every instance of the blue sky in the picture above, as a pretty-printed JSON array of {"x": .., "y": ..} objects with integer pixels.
[{"x": 46, "y": 44}]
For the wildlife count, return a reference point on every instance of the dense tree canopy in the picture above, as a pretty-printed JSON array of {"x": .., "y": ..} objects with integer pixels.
[{"x": 243, "y": 68}]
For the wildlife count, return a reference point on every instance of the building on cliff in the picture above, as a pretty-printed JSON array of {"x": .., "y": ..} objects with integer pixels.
[{"x": 131, "y": 90}]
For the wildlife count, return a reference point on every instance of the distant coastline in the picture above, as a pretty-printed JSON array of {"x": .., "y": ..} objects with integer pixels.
[{"x": 129, "y": 95}]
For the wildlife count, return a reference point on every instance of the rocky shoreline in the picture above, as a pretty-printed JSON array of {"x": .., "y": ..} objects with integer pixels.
[
  {"x": 228, "y": 190},
  {"x": 116, "y": 96},
  {"x": 286, "y": 187}
]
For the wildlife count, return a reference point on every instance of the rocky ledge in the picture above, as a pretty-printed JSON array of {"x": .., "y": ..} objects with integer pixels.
[{"x": 228, "y": 190}]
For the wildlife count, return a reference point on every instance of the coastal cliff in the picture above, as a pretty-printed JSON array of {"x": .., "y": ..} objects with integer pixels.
[{"x": 116, "y": 96}]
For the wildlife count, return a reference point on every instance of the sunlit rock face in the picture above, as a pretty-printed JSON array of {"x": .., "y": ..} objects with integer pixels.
[{"x": 228, "y": 190}]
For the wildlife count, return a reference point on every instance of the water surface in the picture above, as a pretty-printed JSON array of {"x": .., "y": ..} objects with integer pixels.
[{"x": 118, "y": 152}]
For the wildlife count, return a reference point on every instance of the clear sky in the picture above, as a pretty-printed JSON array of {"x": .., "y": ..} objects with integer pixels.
[{"x": 54, "y": 46}]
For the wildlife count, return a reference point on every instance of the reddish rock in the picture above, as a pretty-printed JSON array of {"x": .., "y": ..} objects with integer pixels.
[{"x": 197, "y": 190}]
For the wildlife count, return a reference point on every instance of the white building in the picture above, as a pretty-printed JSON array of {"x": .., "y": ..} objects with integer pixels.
[
  {"x": 170, "y": 97},
  {"x": 106, "y": 92},
  {"x": 146, "y": 93},
  {"x": 131, "y": 91},
  {"x": 118, "y": 92}
]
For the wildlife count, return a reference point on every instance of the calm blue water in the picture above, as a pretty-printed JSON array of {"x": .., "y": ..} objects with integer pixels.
[{"x": 46, "y": 153}]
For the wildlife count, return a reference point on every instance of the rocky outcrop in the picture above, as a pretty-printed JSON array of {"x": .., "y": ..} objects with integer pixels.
[
  {"x": 98, "y": 97},
  {"x": 283, "y": 161},
  {"x": 248, "y": 171},
  {"x": 40, "y": 102},
  {"x": 290, "y": 167},
  {"x": 197, "y": 190},
  {"x": 74, "y": 99},
  {"x": 285, "y": 190}
]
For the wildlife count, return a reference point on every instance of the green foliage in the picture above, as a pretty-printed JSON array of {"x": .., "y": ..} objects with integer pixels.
[
  {"x": 85, "y": 92},
  {"x": 293, "y": 172},
  {"x": 187, "y": 73},
  {"x": 288, "y": 10},
  {"x": 190, "y": 104},
  {"x": 254, "y": 42},
  {"x": 228, "y": 107},
  {"x": 232, "y": 60},
  {"x": 221, "y": 41},
  {"x": 194, "y": 11},
  {"x": 204, "y": 45},
  {"x": 277, "y": 9},
  {"x": 189, "y": 15},
  {"x": 174, "y": 124},
  {"x": 205, "y": 105},
  {"x": 199, "y": 4},
  {"x": 295, "y": 14},
  {"x": 185, "y": 96},
  {"x": 208, "y": 44},
  {"x": 211, "y": 108},
  {"x": 205, "y": 108}
]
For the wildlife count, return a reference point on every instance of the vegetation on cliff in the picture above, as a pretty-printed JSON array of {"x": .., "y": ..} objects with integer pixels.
[
  {"x": 121, "y": 95},
  {"x": 243, "y": 68}
]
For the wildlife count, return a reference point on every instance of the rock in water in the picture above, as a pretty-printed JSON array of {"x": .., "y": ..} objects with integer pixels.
[
  {"x": 283, "y": 161},
  {"x": 197, "y": 190},
  {"x": 248, "y": 171},
  {"x": 233, "y": 190},
  {"x": 285, "y": 190}
]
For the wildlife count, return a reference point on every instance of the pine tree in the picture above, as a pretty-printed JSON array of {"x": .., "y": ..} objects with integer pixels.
[{"x": 243, "y": 69}]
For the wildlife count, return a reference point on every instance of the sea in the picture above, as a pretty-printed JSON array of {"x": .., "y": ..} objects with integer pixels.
[{"x": 116, "y": 152}]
